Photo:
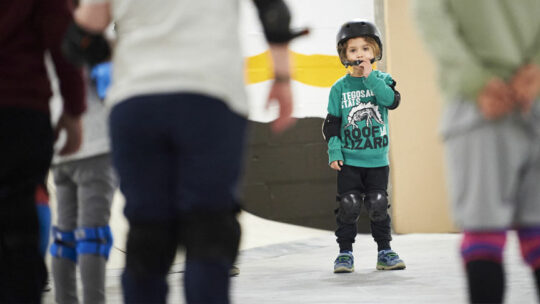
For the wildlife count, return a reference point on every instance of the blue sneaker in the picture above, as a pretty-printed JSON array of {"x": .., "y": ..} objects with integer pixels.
[
  {"x": 389, "y": 260},
  {"x": 344, "y": 263}
]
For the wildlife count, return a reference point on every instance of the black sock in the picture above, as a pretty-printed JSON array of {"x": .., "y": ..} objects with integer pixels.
[
  {"x": 486, "y": 281},
  {"x": 383, "y": 245}
]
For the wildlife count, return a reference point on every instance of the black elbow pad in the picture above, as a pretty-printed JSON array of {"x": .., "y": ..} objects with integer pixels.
[
  {"x": 276, "y": 18},
  {"x": 397, "y": 97},
  {"x": 80, "y": 46},
  {"x": 331, "y": 127}
]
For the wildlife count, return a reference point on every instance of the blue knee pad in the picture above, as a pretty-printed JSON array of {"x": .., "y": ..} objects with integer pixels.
[
  {"x": 94, "y": 240},
  {"x": 64, "y": 244}
]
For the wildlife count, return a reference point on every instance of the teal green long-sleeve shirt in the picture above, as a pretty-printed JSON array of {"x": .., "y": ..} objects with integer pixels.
[
  {"x": 361, "y": 103},
  {"x": 475, "y": 40}
]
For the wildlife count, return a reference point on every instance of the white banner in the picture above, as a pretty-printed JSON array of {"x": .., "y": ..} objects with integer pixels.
[{"x": 315, "y": 66}]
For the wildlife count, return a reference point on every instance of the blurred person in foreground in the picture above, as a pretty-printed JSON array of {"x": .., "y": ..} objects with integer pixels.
[
  {"x": 178, "y": 129},
  {"x": 488, "y": 55},
  {"x": 28, "y": 30}
]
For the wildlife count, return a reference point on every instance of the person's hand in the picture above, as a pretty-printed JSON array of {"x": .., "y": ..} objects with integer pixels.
[
  {"x": 495, "y": 99},
  {"x": 280, "y": 92},
  {"x": 336, "y": 165},
  {"x": 73, "y": 127},
  {"x": 526, "y": 86},
  {"x": 366, "y": 68}
]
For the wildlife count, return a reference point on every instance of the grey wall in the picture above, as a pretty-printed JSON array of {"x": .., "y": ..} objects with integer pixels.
[{"x": 287, "y": 177}]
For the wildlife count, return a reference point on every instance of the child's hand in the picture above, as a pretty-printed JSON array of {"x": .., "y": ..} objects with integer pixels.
[
  {"x": 495, "y": 99},
  {"x": 73, "y": 127},
  {"x": 366, "y": 68},
  {"x": 336, "y": 165},
  {"x": 526, "y": 86}
]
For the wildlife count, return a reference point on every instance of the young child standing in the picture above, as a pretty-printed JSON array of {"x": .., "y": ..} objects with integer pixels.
[
  {"x": 356, "y": 130},
  {"x": 85, "y": 186}
]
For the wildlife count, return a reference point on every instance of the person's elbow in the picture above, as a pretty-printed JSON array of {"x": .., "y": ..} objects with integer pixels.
[{"x": 93, "y": 17}]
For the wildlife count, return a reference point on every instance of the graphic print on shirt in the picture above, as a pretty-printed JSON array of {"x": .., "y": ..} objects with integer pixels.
[
  {"x": 364, "y": 111},
  {"x": 370, "y": 136}
]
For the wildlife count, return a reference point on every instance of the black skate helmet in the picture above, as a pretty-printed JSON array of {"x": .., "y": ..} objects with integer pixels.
[{"x": 357, "y": 28}]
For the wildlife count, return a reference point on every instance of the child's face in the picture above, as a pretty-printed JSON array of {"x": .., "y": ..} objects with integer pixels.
[{"x": 359, "y": 49}]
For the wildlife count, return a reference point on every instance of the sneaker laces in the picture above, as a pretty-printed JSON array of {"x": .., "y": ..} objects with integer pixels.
[
  {"x": 390, "y": 255},
  {"x": 343, "y": 258}
]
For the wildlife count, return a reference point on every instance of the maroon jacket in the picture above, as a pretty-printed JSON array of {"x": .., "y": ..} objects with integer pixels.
[{"x": 27, "y": 29}]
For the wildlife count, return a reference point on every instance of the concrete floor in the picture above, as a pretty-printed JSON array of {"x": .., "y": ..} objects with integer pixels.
[{"x": 282, "y": 263}]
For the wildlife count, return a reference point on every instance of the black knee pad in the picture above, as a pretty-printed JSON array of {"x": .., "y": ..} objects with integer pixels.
[
  {"x": 350, "y": 205},
  {"x": 377, "y": 205},
  {"x": 211, "y": 235},
  {"x": 151, "y": 247}
]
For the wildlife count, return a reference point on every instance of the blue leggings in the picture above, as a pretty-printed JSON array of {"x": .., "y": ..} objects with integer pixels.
[{"x": 178, "y": 156}]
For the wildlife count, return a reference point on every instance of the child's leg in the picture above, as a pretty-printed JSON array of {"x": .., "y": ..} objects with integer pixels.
[
  {"x": 376, "y": 202},
  {"x": 349, "y": 184},
  {"x": 482, "y": 253},
  {"x": 63, "y": 250},
  {"x": 381, "y": 233},
  {"x": 347, "y": 214},
  {"x": 97, "y": 184},
  {"x": 529, "y": 241}
]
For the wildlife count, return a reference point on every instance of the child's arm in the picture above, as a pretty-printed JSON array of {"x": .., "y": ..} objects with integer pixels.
[
  {"x": 332, "y": 130},
  {"x": 384, "y": 88}
]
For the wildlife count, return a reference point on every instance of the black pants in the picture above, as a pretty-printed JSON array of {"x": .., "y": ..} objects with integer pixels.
[
  {"x": 178, "y": 155},
  {"x": 363, "y": 180},
  {"x": 25, "y": 154}
]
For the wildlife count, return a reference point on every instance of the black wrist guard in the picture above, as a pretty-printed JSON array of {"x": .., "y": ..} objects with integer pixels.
[
  {"x": 80, "y": 46},
  {"x": 397, "y": 97}
]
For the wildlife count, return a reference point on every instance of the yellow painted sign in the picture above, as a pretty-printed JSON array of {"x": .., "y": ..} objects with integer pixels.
[{"x": 314, "y": 70}]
